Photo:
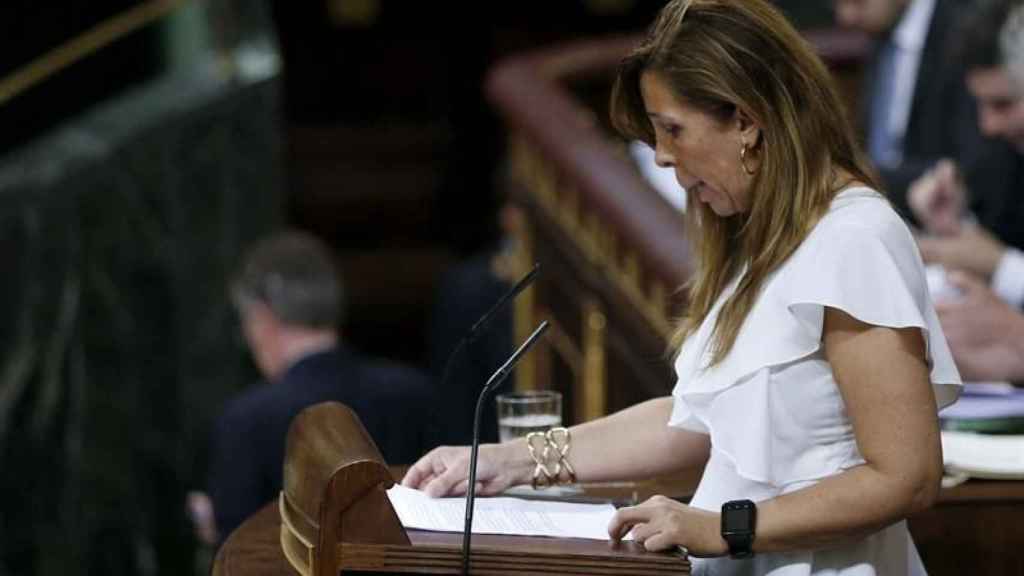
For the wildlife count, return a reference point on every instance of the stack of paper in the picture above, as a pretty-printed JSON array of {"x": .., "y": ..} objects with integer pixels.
[
  {"x": 510, "y": 516},
  {"x": 983, "y": 455}
]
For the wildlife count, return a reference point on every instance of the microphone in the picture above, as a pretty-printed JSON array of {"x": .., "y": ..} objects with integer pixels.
[
  {"x": 493, "y": 383},
  {"x": 512, "y": 293},
  {"x": 475, "y": 331}
]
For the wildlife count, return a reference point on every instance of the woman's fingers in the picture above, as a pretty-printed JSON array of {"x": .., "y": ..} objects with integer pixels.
[
  {"x": 642, "y": 531},
  {"x": 445, "y": 483},
  {"x": 627, "y": 518},
  {"x": 420, "y": 473},
  {"x": 658, "y": 541},
  {"x": 460, "y": 487}
]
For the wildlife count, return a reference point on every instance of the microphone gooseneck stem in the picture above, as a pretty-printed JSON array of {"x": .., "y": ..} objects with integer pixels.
[
  {"x": 467, "y": 529},
  {"x": 493, "y": 382}
]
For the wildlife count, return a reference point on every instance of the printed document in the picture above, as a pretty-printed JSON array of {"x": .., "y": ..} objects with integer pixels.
[{"x": 510, "y": 516}]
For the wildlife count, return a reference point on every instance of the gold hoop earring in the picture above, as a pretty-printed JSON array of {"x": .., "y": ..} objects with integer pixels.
[{"x": 743, "y": 161}]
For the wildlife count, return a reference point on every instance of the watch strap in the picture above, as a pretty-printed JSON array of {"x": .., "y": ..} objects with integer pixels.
[
  {"x": 739, "y": 520},
  {"x": 740, "y": 545}
]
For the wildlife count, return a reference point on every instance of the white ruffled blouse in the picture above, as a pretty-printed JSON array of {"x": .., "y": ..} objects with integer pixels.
[{"x": 772, "y": 407}]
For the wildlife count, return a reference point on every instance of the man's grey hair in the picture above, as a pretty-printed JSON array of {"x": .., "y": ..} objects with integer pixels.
[
  {"x": 293, "y": 274},
  {"x": 1011, "y": 39}
]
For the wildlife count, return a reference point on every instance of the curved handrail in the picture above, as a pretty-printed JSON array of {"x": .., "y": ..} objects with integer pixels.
[
  {"x": 530, "y": 91},
  {"x": 86, "y": 43}
]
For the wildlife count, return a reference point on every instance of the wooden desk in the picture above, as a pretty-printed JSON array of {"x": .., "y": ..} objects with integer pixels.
[
  {"x": 975, "y": 528},
  {"x": 254, "y": 548}
]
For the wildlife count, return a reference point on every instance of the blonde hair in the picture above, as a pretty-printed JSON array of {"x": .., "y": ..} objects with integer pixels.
[{"x": 725, "y": 56}]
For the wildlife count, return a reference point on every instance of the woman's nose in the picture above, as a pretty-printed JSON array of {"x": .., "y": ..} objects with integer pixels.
[{"x": 662, "y": 157}]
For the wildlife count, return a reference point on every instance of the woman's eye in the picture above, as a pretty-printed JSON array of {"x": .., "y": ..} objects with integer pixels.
[{"x": 672, "y": 131}]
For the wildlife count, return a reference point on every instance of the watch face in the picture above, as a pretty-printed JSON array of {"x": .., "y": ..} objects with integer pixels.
[{"x": 736, "y": 520}]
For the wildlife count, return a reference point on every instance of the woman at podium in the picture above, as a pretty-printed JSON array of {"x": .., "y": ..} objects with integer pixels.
[{"x": 810, "y": 364}]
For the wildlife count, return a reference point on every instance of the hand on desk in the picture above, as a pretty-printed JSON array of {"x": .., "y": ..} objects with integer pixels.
[
  {"x": 199, "y": 509},
  {"x": 660, "y": 523},
  {"x": 444, "y": 471}
]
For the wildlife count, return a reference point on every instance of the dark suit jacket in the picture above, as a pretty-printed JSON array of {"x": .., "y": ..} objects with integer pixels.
[
  {"x": 249, "y": 438},
  {"x": 996, "y": 185},
  {"x": 943, "y": 123},
  {"x": 943, "y": 120}
]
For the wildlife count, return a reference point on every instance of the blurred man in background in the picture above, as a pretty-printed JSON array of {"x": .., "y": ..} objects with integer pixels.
[
  {"x": 914, "y": 108},
  {"x": 977, "y": 233},
  {"x": 290, "y": 299},
  {"x": 975, "y": 227}
]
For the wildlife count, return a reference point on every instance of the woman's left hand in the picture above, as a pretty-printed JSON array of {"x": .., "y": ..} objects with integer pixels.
[{"x": 661, "y": 523}]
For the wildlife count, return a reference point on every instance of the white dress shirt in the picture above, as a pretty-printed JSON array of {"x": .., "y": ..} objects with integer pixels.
[
  {"x": 1008, "y": 279},
  {"x": 772, "y": 407},
  {"x": 908, "y": 39}
]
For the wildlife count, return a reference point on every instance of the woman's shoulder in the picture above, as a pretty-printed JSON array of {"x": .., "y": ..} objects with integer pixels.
[
  {"x": 860, "y": 206},
  {"x": 861, "y": 212},
  {"x": 860, "y": 225}
]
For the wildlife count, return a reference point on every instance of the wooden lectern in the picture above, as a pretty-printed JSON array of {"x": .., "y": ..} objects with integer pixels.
[{"x": 336, "y": 517}]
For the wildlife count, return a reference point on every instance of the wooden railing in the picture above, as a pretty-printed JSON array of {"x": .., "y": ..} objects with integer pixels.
[{"x": 81, "y": 46}]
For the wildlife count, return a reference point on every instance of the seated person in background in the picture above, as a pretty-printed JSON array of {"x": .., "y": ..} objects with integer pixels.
[
  {"x": 811, "y": 365},
  {"x": 289, "y": 297},
  {"x": 986, "y": 335},
  {"x": 981, "y": 230},
  {"x": 914, "y": 106}
]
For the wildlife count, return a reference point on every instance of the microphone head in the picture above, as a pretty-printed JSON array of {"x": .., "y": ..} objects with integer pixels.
[{"x": 512, "y": 293}]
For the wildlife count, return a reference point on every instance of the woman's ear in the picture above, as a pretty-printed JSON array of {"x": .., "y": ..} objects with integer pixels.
[{"x": 748, "y": 128}]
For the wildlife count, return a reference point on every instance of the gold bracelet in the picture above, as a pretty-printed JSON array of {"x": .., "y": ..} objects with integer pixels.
[
  {"x": 551, "y": 448},
  {"x": 536, "y": 443}
]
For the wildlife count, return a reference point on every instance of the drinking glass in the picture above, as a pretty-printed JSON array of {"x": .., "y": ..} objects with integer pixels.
[{"x": 520, "y": 413}]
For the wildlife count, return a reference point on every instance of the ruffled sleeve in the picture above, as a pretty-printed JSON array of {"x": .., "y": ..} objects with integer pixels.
[
  {"x": 683, "y": 417},
  {"x": 860, "y": 259},
  {"x": 875, "y": 274},
  {"x": 772, "y": 405}
]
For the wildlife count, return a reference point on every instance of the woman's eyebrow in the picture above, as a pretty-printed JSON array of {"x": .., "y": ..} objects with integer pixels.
[{"x": 661, "y": 117}]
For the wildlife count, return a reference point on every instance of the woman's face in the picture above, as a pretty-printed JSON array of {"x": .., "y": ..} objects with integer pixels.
[{"x": 704, "y": 151}]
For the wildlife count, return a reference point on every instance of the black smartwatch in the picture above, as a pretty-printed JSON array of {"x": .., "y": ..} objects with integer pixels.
[{"x": 739, "y": 517}]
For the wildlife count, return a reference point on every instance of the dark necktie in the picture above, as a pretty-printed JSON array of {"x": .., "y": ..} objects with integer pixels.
[{"x": 883, "y": 145}]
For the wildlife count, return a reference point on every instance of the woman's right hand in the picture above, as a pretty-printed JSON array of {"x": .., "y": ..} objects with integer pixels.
[
  {"x": 938, "y": 199},
  {"x": 444, "y": 471}
]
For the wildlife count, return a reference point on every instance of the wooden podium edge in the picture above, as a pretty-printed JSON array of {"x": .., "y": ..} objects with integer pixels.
[
  {"x": 496, "y": 561},
  {"x": 292, "y": 539},
  {"x": 337, "y": 475}
]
